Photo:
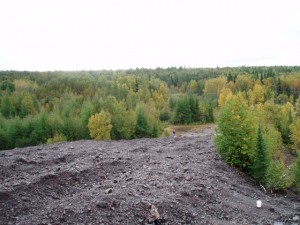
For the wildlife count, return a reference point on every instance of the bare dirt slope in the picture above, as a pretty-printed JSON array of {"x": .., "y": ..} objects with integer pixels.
[{"x": 90, "y": 182}]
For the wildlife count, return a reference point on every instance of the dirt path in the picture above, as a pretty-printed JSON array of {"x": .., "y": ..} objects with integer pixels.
[{"x": 110, "y": 183}]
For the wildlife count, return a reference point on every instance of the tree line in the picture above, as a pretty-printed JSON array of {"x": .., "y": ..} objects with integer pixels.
[{"x": 256, "y": 109}]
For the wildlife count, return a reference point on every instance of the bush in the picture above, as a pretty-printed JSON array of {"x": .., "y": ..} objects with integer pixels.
[
  {"x": 57, "y": 138},
  {"x": 278, "y": 176}
]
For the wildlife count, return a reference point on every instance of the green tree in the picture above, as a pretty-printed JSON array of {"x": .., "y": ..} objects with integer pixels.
[
  {"x": 4, "y": 139},
  {"x": 183, "y": 113},
  {"x": 123, "y": 121},
  {"x": 192, "y": 87},
  {"x": 273, "y": 142},
  {"x": 295, "y": 135},
  {"x": 194, "y": 106},
  {"x": 100, "y": 126},
  {"x": 75, "y": 129},
  {"x": 278, "y": 176},
  {"x": 142, "y": 128},
  {"x": 286, "y": 117},
  {"x": 6, "y": 107},
  {"x": 236, "y": 134},
  {"x": 39, "y": 132},
  {"x": 261, "y": 160},
  {"x": 87, "y": 111}
]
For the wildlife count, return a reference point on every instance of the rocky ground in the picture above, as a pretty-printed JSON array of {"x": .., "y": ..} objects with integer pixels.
[{"x": 92, "y": 182}]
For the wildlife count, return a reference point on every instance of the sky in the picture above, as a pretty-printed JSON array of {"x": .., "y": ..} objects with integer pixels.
[{"x": 48, "y": 35}]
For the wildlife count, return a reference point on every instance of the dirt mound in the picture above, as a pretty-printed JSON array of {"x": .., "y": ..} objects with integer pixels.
[{"x": 89, "y": 182}]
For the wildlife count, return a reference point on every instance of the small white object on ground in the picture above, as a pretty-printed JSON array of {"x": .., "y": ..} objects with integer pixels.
[{"x": 258, "y": 203}]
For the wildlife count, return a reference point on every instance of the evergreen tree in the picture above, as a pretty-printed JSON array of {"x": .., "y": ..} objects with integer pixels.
[
  {"x": 194, "y": 105},
  {"x": 87, "y": 111},
  {"x": 142, "y": 128},
  {"x": 229, "y": 77},
  {"x": 6, "y": 107},
  {"x": 4, "y": 139},
  {"x": 39, "y": 132},
  {"x": 183, "y": 113},
  {"x": 210, "y": 113},
  {"x": 261, "y": 160},
  {"x": 155, "y": 131}
]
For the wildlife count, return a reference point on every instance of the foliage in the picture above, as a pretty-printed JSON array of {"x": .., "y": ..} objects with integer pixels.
[
  {"x": 236, "y": 134},
  {"x": 278, "y": 176},
  {"x": 6, "y": 108},
  {"x": 183, "y": 114},
  {"x": 273, "y": 142},
  {"x": 286, "y": 117},
  {"x": 213, "y": 87},
  {"x": 100, "y": 126},
  {"x": 87, "y": 110},
  {"x": 261, "y": 160},
  {"x": 142, "y": 128},
  {"x": 69, "y": 99},
  {"x": 123, "y": 121},
  {"x": 225, "y": 95},
  {"x": 244, "y": 83},
  {"x": 295, "y": 135},
  {"x": 206, "y": 109},
  {"x": 56, "y": 138},
  {"x": 256, "y": 95},
  {"x": 187, "y": 110}
]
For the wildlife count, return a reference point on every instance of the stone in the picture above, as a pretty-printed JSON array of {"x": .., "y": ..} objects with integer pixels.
[
  {"x": 278, "y": 223},
  {"x": 188, "y": 178},
  {"x": 296, "y": 218},
  {"x": 101, "y": 204},
  {"x": 108, "y": 191}
]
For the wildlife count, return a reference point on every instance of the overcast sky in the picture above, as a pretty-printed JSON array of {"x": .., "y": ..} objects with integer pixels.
[{"x": 121, "y": 34}]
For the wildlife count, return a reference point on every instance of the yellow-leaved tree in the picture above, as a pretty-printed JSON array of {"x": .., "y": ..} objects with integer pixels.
[
  {"x": 100, "y": 126},
  {"x": 256, "y": 95},
  {"x": 225, "y": 95},
  {"x": 295, "y": 135}
]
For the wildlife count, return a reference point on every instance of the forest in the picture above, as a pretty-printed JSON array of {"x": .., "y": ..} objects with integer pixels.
[{"x": 256, "y": 110}]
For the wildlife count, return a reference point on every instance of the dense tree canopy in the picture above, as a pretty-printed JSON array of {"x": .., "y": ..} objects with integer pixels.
[
  {"x": 171, "y": 95},
  {"x": 45, "y": 107}
]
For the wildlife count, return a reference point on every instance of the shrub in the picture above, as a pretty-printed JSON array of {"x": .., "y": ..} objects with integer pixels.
[
  {"x": 278, "y": 176},
  {"x": 57, "y": 138}
]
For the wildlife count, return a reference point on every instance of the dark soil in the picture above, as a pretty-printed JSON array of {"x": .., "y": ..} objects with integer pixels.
[{"x": 92, "y": 182}]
